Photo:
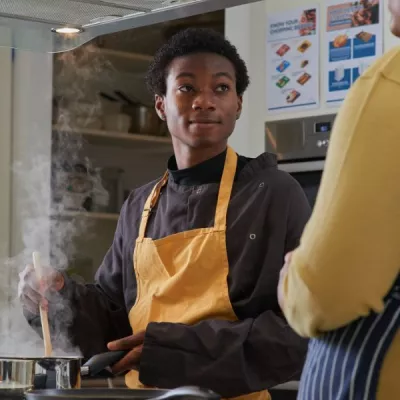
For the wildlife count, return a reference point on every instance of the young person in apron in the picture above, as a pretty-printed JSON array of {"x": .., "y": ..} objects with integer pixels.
[
  {"x": 341, "y": 287},
  {"x": 195, "y": 262}
]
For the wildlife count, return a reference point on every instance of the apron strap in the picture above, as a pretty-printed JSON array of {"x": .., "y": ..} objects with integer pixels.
[
  {"x": 149, "y": 205},
  {"x": 225, "y": 190},
  {"x": 224, "y": 195}
]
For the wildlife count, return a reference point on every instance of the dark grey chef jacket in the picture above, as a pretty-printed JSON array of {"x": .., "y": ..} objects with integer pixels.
[{"x": 266, "y": 216}]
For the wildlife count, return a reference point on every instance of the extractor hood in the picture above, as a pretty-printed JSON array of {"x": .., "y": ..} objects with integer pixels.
[{"x": 35, "y": 24}]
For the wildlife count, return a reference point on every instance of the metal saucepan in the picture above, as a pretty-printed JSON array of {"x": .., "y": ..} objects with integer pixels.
[
  {"x": 189, "y": 393},
  {"x": 20, "y": 374},
  {"x": 22, "y": 377}
]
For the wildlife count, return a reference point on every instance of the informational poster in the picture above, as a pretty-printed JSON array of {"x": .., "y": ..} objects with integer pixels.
[
  {"x": 354, "y": 40},
  {"x": 293, "y": 59}
]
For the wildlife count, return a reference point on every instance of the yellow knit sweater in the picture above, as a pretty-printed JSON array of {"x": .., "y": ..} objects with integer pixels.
[{"x": 349, "y": 255}]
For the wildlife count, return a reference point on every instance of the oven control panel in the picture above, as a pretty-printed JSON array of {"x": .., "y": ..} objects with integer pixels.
[
  {"x": 299, "y": 139},
  {"x": 323, "y": 143}
]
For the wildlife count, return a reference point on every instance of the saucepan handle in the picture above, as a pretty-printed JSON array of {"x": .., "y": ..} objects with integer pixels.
[
  {"x": 188, "y": 392},
  {"x": 102, "y": 363}
]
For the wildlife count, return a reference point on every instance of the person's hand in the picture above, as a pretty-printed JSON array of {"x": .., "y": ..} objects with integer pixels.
[
  {"x": 33, "y": 292},
  {"x": 134, "y": 343},
  {"x": 282, "y": 276}
]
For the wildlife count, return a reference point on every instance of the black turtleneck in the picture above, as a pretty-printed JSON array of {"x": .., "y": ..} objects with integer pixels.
[{"x": 209, "y": 171}]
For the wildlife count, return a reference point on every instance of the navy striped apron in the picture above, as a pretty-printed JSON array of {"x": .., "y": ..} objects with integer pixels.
[{"x": 345, "y": 364}]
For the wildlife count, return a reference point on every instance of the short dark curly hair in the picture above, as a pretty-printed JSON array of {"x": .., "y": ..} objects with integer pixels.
[{"x": 190, "y": 41}]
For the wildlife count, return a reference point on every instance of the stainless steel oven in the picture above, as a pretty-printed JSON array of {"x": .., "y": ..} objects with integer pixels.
[
  {"x": 299, "y": 140},
  {"x": 301, "y": 146}
]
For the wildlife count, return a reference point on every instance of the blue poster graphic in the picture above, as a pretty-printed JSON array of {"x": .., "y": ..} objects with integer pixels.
[
  {"x": 353, "y": 41},
  {"x": 362, "y": 48},
  {"x": 337, "y": 85},
  {"x": 339, "y": 53},
  {"x": 356, "y": 73},
  {"x": 283, "y": 66}
]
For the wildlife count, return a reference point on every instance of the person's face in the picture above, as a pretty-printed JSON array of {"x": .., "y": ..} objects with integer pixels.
[
  {"x": 394, "y": 7},
  {"x": 201, "y": 104}
]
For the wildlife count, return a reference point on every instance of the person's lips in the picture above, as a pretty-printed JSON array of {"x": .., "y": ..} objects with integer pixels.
[{"x": 204, "y": 121}]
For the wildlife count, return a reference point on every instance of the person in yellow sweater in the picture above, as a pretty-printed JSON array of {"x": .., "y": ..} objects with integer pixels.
[{"x": 341, "y": 286}]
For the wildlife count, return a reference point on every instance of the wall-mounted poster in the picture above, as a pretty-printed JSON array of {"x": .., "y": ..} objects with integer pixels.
[
  {"x": 354, "y": 40},
  {"x": 293, "y": 59}
]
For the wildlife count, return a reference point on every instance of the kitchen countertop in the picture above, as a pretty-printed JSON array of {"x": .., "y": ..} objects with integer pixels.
[{"x": 119, "y": 382}]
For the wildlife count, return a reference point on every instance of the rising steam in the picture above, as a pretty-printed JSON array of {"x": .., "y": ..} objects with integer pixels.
[{"x": 17, "y": 339}]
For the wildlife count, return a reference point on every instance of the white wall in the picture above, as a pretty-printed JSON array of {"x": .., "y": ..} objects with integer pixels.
[
  {"x": 246, "y": 28},
  {"x": 5, "y": 176},
  {"x": 5, "y": 149},
  {"x": 31, "y": 151}
]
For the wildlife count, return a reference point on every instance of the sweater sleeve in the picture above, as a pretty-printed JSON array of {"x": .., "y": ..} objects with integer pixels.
[{"x": 349, "y": 254}]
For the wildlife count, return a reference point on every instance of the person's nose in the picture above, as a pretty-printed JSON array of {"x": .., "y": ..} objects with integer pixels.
[{"x": 204, "y": 100}]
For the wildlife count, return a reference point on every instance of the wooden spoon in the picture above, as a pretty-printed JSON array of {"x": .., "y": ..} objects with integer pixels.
[{"x": 48, "y": 348}]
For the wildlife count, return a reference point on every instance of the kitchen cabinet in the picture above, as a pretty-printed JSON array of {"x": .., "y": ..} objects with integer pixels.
[{"x": 85, "y": 132}]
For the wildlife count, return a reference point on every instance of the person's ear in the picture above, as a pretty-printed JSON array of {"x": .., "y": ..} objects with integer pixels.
[
  {"x": 239, "y": 107},
  {"x": 160, "y": 107}
]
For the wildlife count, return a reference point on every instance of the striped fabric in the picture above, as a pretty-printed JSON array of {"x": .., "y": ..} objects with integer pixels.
[{"x": 345, "y": 364}]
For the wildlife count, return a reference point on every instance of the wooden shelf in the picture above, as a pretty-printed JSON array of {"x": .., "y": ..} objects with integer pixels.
[
  {"x": 133, "y": 140},
  {"x": 83, "y": 214}
]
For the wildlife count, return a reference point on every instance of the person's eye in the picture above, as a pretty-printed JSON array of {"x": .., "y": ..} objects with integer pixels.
[
  {"x": 186, "y": 88},
  {"x": 223, "y": 88}
]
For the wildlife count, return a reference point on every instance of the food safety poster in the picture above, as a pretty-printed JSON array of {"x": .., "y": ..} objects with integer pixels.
[
  {"x": 293, "y": 60},
  {"x": 354, "y": 39}
]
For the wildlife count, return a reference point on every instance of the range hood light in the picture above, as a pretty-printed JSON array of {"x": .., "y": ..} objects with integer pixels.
[{"x": 67, "y": 30}]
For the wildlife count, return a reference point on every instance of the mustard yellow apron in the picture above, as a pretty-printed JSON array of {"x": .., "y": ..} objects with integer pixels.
[{"x": 182, "y": 278}]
